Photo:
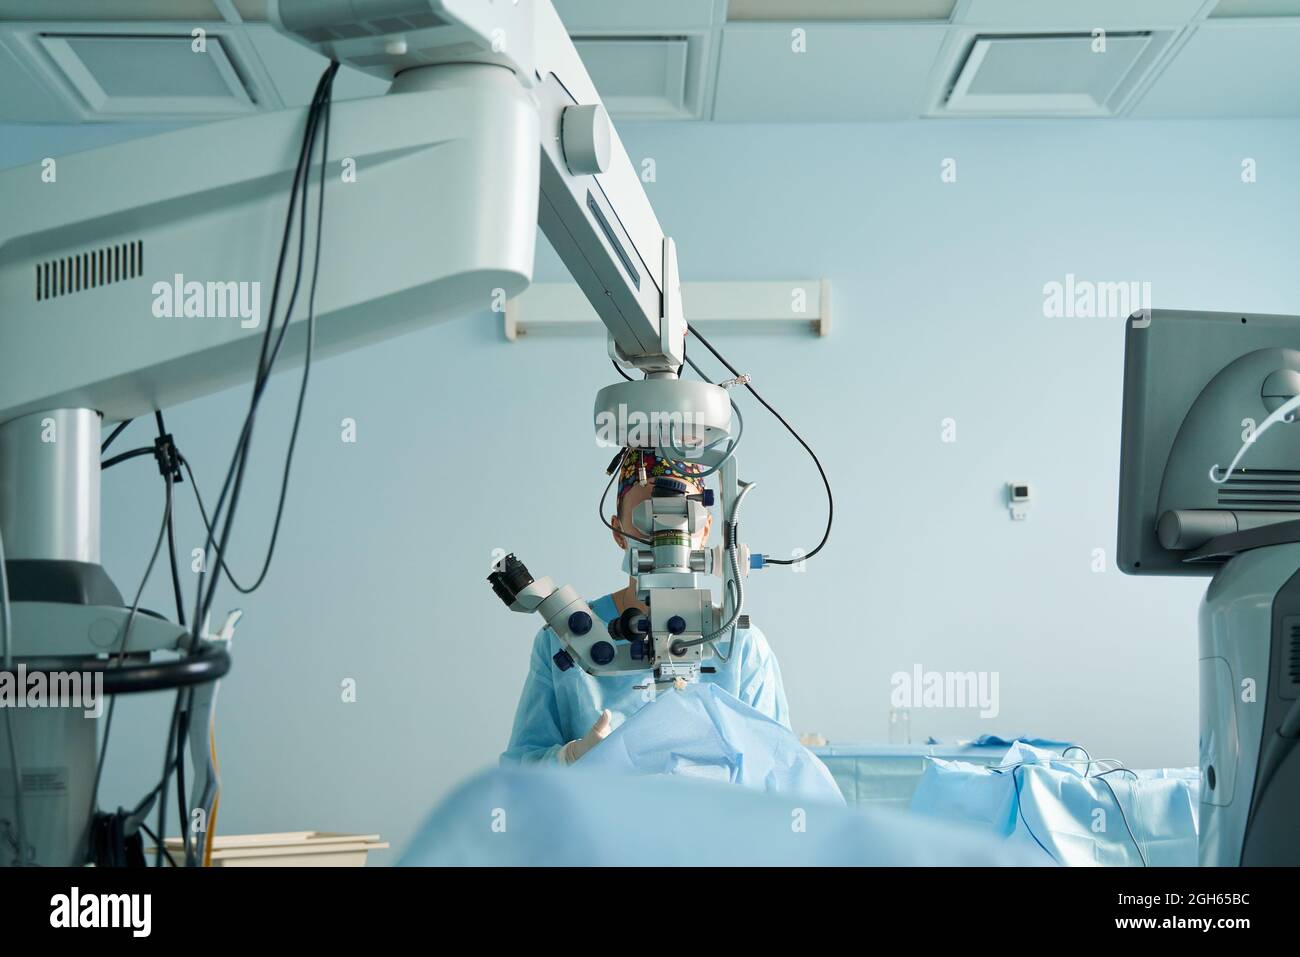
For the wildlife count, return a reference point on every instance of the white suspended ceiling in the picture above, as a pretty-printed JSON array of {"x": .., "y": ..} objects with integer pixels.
[{"x": 72, "y": 61}]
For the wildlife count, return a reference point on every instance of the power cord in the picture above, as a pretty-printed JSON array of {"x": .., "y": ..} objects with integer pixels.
[
  {"x": 126, "y": 633},
  {"x": 830, "y": 498},
  {"x": 233, "y": 484}
]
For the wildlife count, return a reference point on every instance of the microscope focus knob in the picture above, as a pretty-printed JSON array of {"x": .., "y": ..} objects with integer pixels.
[
  {"x": 585, "y": 134},
  {"x": 579, "y": 623},
  {"x": 676, "y": 625},
  {"x": 563, "y": 660},
  {"x": 643, "y": 625},
  {"x": 602, "y": 652}
]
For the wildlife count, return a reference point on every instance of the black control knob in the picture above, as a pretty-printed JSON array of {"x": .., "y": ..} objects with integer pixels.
[
  {"x": 602, "y": 652},
  {"x": 579, "y": 623},
  {"x": 676, "y": 625},
  {"x": 563, "y": 660}
]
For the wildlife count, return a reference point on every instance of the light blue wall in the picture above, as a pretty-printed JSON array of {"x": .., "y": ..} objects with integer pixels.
[{"x": 468, "y": 443}]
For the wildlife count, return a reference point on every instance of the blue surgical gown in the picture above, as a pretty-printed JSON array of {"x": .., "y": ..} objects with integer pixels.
[{"x": 558, "y": 706}]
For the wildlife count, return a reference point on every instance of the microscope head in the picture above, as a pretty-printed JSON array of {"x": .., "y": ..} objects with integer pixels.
[{"x": 678, "y": 419}]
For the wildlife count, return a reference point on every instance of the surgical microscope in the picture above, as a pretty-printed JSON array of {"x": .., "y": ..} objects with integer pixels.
[
  {"x": 490, "y": 128},
  {"x": 670, "y": 644}
]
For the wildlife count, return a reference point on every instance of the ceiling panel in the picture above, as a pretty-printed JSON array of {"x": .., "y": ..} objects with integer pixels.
[
  {"x": 639, "y": 78},
  {"x": 846, "y": 10},
  {"x": 1054, "y": 75},
  {"x": 847, "y": 72},
  {"x": 1079, "y": 14},
  {"x": 681, "y": 59},
  {"x": 1256, "y": 8},
  {"x": 25, "y": 97},
  {"x": 110, "y": 9},
  {"x": 633, "y": 16},
  {"x": 1239, "y": 69}
]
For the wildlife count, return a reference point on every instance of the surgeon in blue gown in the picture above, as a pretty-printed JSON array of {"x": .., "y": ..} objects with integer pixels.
[{"x": 564, "y": 714}]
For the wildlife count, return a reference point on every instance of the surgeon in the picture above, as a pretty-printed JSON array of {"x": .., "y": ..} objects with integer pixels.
[{"x": 564, "y": 714}]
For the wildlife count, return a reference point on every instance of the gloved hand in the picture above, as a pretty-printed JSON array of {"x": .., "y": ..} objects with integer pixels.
[{"x": 576, "y": 749}]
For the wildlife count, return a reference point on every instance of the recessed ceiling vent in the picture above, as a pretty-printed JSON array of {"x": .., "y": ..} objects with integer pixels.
[{"x": 1049, "y": 75}]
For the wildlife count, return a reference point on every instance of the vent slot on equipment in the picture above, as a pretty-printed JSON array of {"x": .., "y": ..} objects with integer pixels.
[{"x": 89, "y": 270}]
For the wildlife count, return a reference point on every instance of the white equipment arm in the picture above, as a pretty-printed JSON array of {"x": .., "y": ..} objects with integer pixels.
[{"x": 138, "y": 275}]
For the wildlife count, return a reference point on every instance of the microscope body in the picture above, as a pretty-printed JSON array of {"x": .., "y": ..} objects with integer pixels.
[
  {"x": 669, "y": 573},
  {"x": 664, "y": 646}
]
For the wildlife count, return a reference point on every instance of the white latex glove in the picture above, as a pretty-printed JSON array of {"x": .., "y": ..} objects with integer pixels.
[{"x": 576, "y": 749}]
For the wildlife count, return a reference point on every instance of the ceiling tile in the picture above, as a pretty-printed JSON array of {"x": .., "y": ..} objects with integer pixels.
[
  {"x": 847, "y": 10},
  {"x": 1230, "y": 70},
  {"x": 1256, "y": 8},
  {"x": 638, "y": 78},
  {"x": 846, "y": 72},
  {"x": 24, "y": 98},
  {"x": 1079, "y": 14},
  {"x": 91, "y": 10},
  {"x": 1045, "y": 75}
]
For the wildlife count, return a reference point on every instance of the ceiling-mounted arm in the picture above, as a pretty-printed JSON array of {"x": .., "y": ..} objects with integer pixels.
[
  {"x": 594, "y": 210},
  {"x": 592, "y": 205}
]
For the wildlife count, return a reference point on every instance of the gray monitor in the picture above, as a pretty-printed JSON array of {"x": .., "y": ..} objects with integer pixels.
[{"x": 1195, "y": 383}]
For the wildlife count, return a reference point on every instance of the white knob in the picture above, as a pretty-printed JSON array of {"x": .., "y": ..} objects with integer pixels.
[{"x": 585, "y": 135}]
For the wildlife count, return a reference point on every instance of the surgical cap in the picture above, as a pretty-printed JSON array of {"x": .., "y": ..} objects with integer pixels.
[{"x": 655, "y": 467}]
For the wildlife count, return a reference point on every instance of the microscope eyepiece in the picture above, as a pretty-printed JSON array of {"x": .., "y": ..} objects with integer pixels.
[{"x": 512, "y": 578}]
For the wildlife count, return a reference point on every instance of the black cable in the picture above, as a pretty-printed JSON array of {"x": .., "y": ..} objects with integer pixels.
[
  {"x": 126, "y": 634},
  {"x": 166, "y": 777},
  {"x": 180, "y": 771},
  {"x": 600, "y": 509},
  {"x": 124, "y": 456},
  {"x": 207, "y": 525},
  {"x": 171, "y": 542},
  {"x": 180, "y": 620},
  {"x": 619, "y": 369},
  {"x": 154, "y": 837},
  {"x": 234, "y": 472},
  {"x": 830, "y": 498},
  {"x": 179, "y": 727},
  {"x": 121, "y": 427},
  {"x": 311, "y": 342},
  {"x": 176, "y": 574},
  {"x": 233, "y": 483},
  {"x": 185, "y": 707}
]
